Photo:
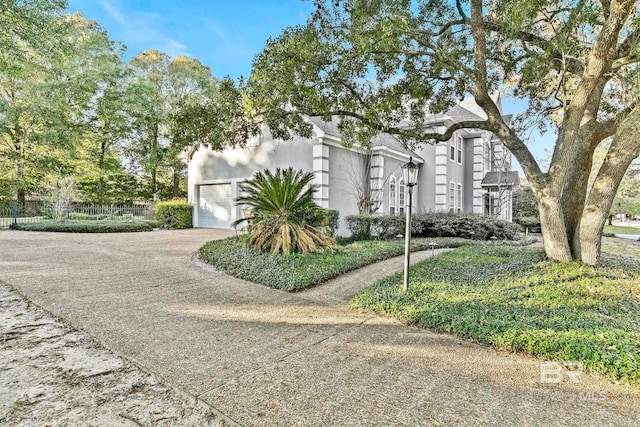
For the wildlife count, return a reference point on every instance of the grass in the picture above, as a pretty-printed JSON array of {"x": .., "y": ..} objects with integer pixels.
[
  {"x": 618, "y": 229},
  {"x": 621, "y": 248},
  {"x": 86, "y": 226},
  {"x": 295, "y": 272},
  {"x": 513, "y": 299}
]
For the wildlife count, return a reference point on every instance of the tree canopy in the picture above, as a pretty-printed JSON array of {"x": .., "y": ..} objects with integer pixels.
[
  {"x": 70, "y": 106},
  {"x": 385, "y": 65}
]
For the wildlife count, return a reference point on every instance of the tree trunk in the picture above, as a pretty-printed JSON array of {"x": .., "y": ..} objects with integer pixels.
[
  {"x": 176, "y": 181},
  {"x": 21, "y": 196},
  {"x": 20, "y": 174},
  {"x": 100, "y": 190},
  {"x": 554, "y": 233},
  {"x": 154, "y": 161},
  {"x": 624, "y": 148},
  {"x": 103, "y": 150}
]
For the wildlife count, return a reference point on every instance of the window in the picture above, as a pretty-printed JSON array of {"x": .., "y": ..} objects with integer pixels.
[
  {"x": 489, "y": 205},
  {"x": 401, "y": 196},
  {"x": 459, "y": 147},
  {"x": 452, "y": 150},
  {"x": 459, "y": 197},
  {"x": 452, "y": 196},
  {"x": 392, "y": 196}
]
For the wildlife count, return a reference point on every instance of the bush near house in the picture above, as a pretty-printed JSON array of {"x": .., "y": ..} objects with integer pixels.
[
  {"x": 333, "y": 221},
  {"x": 174, "y": 214},
  {"x": 467, "y": 226},
  {"x": 284, "y": 218}
]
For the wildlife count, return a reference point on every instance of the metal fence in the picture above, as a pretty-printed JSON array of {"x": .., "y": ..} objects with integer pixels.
[{"x": 33, "y": 211}]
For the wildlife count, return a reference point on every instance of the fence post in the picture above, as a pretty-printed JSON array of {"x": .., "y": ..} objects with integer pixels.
[{"x": 14, "y": 209}]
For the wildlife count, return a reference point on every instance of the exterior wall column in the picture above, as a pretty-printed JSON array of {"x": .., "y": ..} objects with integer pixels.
[
  {"x": 376, "y": 183},
  {"x": 321, "y": 172},
  {"x": 478, "y": 174},
  {"x": 441, "y": 174}
]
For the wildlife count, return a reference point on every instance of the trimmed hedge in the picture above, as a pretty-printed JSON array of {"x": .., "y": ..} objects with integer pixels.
[
  {"x": 85, "y": 226},
  {"x": 530, "y": 223},
  {"x": 466, "y": 226},
  {"x": 174, "y": 215}
]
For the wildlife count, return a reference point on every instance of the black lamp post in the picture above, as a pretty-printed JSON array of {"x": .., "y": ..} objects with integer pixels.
[{"x": 410, "y": 176}]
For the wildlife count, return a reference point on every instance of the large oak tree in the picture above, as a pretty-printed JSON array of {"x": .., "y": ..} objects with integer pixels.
[{"x": 384, "y": 65}]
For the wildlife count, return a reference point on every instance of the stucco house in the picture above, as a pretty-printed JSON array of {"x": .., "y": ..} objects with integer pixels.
[{"x": 469, "y": 173}]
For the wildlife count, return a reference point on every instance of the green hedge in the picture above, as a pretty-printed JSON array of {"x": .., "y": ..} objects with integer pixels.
[
  {"x": 530, "y": 223},
  {"x": 174, "y": 215},
  {"x": 85, "y": 226},
  {"x": 333, "y": 217},
  {"x": 466, "y": 226}
]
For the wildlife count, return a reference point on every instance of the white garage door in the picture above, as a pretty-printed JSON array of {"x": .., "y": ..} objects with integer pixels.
[{"x": 215, "y": 206}]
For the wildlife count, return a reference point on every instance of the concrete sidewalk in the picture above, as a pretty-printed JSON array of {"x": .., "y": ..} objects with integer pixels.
[{"x": 266, "y": 357}]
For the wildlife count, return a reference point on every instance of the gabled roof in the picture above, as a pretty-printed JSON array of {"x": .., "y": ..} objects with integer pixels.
[
  {"x": 458, "y": 113},
  {"x": 382, "y": 140},
  {"x": 500, "y": 179},
  {"x": 329, "y": 128}
]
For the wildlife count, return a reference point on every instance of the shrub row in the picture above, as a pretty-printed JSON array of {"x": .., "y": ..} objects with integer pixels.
[
  {"x": 467, "y": 226},
  {"x": 530, "y": 223},
  {"x": 174, "y": 214},
  {"x": 86, "y": 226}
]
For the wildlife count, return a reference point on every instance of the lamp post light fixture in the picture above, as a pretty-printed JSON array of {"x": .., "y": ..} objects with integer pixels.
[{"x": 410, "y": 177}]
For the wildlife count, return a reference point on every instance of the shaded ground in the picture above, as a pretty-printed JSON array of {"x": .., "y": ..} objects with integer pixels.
[{"x": 265, "y": 357}]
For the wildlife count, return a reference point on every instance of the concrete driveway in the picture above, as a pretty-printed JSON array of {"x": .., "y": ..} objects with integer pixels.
[{"x": 265, "y": 357}]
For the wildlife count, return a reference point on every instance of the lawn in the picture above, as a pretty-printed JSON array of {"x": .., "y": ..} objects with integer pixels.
[
  {"x": 624, "y": 248},
  {"x": 515, "y": 300},
  {"x": 620, "y": 229},
  {"x": 295, "y": 272}
]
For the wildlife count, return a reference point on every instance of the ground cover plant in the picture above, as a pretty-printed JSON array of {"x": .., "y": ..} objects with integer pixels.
[
  {"x": 516, "y": 300},
  {"x": 294, "y": 272},
  {"x": 87, "y": 226}
]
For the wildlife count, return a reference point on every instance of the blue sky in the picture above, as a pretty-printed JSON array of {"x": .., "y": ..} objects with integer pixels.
[{"x": 223, "y": 34}]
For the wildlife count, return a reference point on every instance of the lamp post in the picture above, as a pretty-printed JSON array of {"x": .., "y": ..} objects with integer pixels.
[{"x": 410, "y": 176}]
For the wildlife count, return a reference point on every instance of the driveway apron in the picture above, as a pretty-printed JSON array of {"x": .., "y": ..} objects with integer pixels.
[{"x": 267, "y": 357}]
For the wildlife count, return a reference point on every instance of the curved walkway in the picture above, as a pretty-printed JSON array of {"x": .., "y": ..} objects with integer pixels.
[{"x": 266, "y": 357}]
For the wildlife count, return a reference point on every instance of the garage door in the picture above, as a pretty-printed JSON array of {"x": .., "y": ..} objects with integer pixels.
[{"x": 215, "y": 206}]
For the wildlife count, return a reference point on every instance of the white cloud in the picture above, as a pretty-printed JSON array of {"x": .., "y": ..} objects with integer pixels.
[
  {"x": 113, "y": 12},
  {"x": 142, "y": 31}
]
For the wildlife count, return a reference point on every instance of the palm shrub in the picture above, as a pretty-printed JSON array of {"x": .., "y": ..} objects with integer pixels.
[{"x": 284, "y": 218}]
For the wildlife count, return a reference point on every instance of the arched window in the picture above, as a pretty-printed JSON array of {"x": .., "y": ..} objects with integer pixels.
[
  {"x": 401, "y": 196},
  {"x": 392, "y": 195}
]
